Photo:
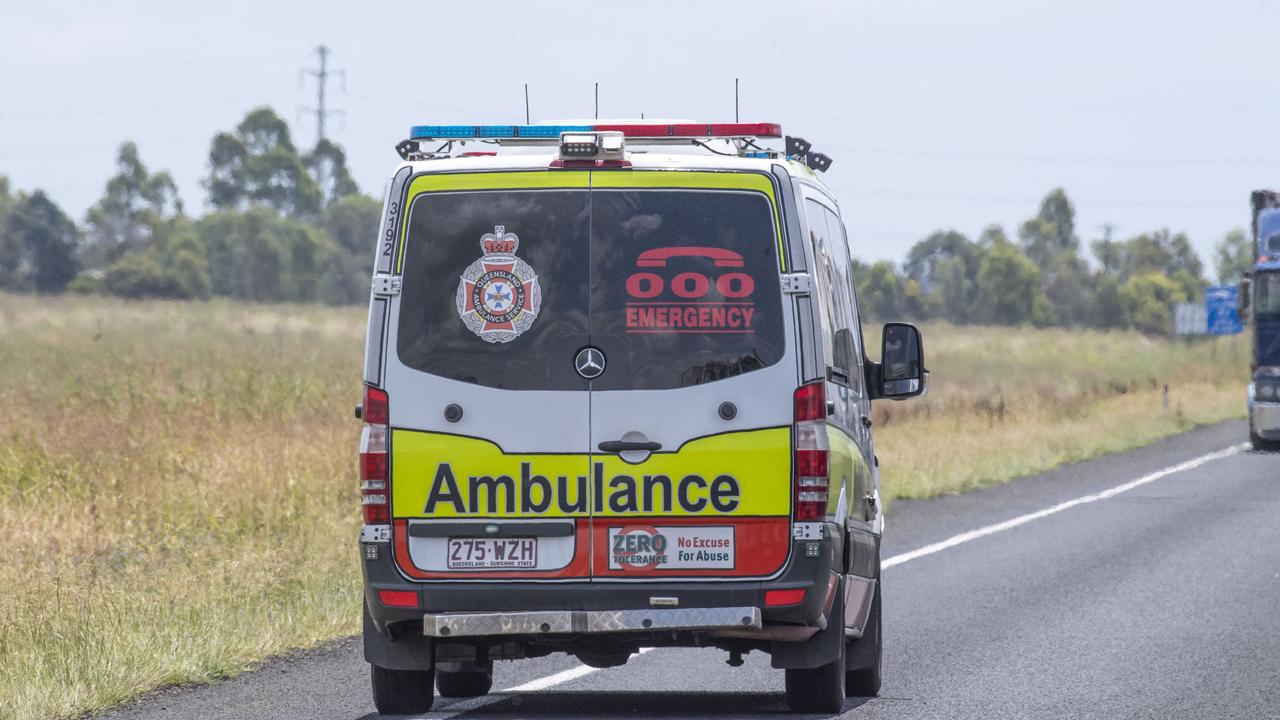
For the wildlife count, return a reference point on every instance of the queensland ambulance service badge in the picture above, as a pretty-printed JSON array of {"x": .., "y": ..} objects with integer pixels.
[{"x": 498, "y": 295}]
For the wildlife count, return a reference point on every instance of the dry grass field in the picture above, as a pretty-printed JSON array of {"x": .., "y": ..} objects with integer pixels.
[
  {"x": 178, "y": 479},
  {"x": 1009, "y": 402}
]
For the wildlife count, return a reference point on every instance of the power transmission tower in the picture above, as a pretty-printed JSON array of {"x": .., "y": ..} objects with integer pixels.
[
  {"x": 321, "y": 109},
  {"x": 322, "y": 76}
]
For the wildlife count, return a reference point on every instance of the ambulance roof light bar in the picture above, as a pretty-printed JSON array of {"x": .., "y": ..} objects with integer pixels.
[
  {"x": 550, "y": 134},
  {"x": 657, "y": 132}
]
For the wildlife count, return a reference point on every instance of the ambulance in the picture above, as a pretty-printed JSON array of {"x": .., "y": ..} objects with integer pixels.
[{"x": 616, "y": 397}]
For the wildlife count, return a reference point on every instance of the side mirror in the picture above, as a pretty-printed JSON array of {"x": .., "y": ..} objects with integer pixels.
[{"x": 902, "y": 372}]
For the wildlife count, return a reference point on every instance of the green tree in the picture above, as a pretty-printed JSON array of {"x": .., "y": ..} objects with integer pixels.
[
  {"x": 1052, "y": 231},
  {"x": 918, "y": 304},
  {"x": 139, "y": 275},
  {"x": 350, "y": 223},
  {"x": 6, "y": 200},
  {"x": 1067, "y": 285},
  {"x": 1107, "y": 307},
  {"x": 1050, "y": 242},
  {"x": 1008, "y": 285},
  {"x": 38, "y": 247},
  {"x": 1148, "y": 299},
  {"x": 259, "y": 165},
  {"x": 175, "y": 266},
  {"x": 1104, "y": 249},
  {"x": 259, "y": 255},
  {"x": 327, "y": 164},
  {"x": 991, "y": 235},
  {"x": 133, "y": 207},
  {"x": 945, "y": 265},
  {"x": 1043, "y": 312},
  {"x": 1159, "y": 251},
  {"x": 1233, "y": 256},
  {"x": 12, "y": 253},
  {"x": 880, "y": 291},
  {"x": 187, "y": 258}
]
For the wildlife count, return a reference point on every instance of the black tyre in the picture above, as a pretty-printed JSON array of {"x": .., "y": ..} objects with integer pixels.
[
  {"x": 402, "y": 692},
  {"x": 817, "y": 690},
  {"x": 862, "y": 674},
  {"x": 465, "y": 684}
]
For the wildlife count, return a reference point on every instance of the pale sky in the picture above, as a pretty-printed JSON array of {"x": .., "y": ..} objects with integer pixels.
[{"x": 939, "y": 114}]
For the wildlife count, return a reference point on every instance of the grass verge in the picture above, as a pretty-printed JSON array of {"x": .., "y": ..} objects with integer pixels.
[{"x": 1010, "y": 402}]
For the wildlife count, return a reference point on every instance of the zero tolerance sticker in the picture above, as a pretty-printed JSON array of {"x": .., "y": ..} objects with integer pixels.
[{"x": 498, "y": 295}]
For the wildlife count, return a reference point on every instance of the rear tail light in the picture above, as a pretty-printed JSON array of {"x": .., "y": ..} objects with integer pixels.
[
  {"x": 375, "y": 406},
  {"x": 375, "y": 475},
  {"x": 811, "y": 479}
]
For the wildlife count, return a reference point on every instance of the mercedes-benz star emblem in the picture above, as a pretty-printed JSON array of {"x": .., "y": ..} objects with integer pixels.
[{"x": 589, "y": 362}]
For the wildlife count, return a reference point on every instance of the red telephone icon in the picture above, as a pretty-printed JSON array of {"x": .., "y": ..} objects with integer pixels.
[{"x": 658, "y": 257}]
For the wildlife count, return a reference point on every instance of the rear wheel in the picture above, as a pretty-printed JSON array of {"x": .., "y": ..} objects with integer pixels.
[
  {"x": 402, "y": 692},
  {"x": 464, "y": 683},
  {"x": 817, "y": 690},
  {"x": 862, "y": 676}
]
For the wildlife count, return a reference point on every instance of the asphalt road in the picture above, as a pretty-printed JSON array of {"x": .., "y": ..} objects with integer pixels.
[{"x": 1161, "y": 600}]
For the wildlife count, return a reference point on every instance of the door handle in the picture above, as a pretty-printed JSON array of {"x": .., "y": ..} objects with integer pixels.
[{"x": 617, "y": 446}]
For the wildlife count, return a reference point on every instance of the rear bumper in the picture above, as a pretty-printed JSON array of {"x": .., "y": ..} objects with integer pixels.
[
  {"x": 475, "y": 609},
  {"x": 450, "y": 625},
  {"x": 1265, "y": 419}
]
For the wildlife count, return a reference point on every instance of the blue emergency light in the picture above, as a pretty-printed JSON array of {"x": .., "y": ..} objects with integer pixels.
[{"x": 491, "y": 132}]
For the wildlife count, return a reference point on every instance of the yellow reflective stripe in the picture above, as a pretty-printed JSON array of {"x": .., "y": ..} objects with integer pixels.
[
  {"x": 729, "y": 475},
  {"x": 697, "y": 179},
  {"x": 519, "y": 180},
  {"x": 544, "y": 179}
]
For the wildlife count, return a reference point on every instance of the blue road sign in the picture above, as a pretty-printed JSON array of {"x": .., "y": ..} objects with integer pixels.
[{"x": 1220, "y": 305}]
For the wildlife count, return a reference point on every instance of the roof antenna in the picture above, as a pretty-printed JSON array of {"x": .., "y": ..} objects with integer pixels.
[
  {"x": 526, "y": 104},
  {"x": 735, "y": 99},
  {"x": 597, "y": 101}
]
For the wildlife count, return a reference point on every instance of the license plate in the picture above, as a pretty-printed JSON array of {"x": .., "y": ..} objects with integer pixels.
[{"x": 489, "y": 553}]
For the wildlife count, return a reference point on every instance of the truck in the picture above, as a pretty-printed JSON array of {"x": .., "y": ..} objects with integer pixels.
[{"x": 1260, "y": 295}]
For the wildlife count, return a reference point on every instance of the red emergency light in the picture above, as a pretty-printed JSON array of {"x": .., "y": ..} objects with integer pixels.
[{"x": 693, "y": 130}]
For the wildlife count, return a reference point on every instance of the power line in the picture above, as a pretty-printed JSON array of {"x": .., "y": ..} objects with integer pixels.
[
  {"x": 855, "y": 193},
  {"x": 173, "y": 66},
  {"x": 1065, "y": 159}
]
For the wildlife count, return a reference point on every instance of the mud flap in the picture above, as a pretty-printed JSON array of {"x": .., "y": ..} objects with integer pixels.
[
  {"x": 819, "y": 650},
  {"x": 411, "y": 651}
]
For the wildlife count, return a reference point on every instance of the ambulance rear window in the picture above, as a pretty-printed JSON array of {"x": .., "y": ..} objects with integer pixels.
[
  {"x": 676, "y": 287},
  {"x": 495, "y": 287},
  {"x": 684, "y": 288}
]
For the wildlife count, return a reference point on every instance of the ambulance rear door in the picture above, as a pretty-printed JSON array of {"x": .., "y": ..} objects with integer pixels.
[
  {"x": 490, "y": 437},
  {"x": 691, "y": 407}
]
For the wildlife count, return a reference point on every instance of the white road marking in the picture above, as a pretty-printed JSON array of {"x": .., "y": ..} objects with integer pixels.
[
  {"x": 563, "y": 676},
  {"x": 574, "y": 673},
  {"x": 981, "y": 532},
  {"x": 559, "y": 678}
]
